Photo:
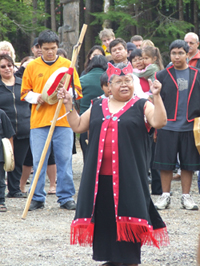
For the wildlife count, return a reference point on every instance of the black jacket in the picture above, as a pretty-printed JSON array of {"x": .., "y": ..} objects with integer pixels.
[
  {"x": 170, "y": 92},
  {"x": 18, "y": 111}
]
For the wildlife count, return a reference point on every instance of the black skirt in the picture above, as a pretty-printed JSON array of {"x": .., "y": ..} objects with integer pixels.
[{"x": 105, "y": 246}]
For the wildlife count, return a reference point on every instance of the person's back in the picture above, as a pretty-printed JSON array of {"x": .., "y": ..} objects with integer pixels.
[{"x": 90, "y": 82}]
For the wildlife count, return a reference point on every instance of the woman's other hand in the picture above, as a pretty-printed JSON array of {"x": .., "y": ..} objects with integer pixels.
[{"x": 65, "y": 95}]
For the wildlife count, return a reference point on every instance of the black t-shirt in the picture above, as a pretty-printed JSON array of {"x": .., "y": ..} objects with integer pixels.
[{"x": 6, "y": 131}]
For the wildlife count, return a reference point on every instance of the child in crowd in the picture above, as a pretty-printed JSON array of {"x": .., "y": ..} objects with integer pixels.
[
  {"x": 106, "y": 36},
  {"x": 137, "y": 62},
  {"x": 6, "y": 131},
  {"x": 104, "y": 85},
  {"x": 152, "y": 61}
]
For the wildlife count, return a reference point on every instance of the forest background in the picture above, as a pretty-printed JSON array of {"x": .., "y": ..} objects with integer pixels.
[{"x": 161, "y": 21}]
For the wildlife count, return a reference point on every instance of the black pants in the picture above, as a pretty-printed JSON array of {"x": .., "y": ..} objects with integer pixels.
[
  {"x": 2, "y": 184},
  {"x": 29, "y": 158},
  {"x": 156, "y": 187},
  {"x": 20, "y": 151}
]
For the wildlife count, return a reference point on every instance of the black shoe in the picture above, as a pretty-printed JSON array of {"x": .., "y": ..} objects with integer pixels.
[
  {"x": 69, "y": 205},
  {"x": 17, "y": 195},
  {"x": 36, "y": 205}
]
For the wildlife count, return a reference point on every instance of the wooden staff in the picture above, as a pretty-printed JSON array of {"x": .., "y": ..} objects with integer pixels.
[{"x": 51, "y": 130}]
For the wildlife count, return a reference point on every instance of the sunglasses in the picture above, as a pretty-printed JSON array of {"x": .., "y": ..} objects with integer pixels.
[{"x": 4, "y": 66}]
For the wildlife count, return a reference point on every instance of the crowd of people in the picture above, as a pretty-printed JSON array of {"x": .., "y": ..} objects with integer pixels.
[{"x": 136, "y": 125}]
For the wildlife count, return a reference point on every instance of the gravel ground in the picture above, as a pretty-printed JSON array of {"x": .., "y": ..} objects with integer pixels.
[{"x": 43, "y": 237}]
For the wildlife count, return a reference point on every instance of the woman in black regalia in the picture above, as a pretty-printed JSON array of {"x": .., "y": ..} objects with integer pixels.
[{"x": 114, "y": 210}]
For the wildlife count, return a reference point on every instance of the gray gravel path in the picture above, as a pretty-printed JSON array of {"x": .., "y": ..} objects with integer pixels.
[{"x": 43, "y": 237}]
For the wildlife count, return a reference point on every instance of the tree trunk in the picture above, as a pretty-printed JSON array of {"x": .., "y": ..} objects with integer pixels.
[
  {"x": 106, "y": 5},
  {"x": 181, "y": 10},
  {"x": 47, "y": 22},
  {"x": 33, "y": 34},
  {"x": 195, "y": 12},
  {"x": 89, "y": 36},
  {"x": 53, "y": 16}
]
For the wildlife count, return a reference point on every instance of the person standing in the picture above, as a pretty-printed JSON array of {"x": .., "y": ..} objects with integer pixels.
[
  {"x": 28, "y": 162},
  {"x": 6, "y": 131},
  {"x": 181, "y": 97},
  {"x": 192, "y": 39},
  {"x": 91, "y": 88},
  {"x": 106, "y": 36},
  {"x": 114, "y": 210},
  {"x": 34, "y": 79},
  {"x": 19, "y": 114},
  {"x": 137, "y": 40}
]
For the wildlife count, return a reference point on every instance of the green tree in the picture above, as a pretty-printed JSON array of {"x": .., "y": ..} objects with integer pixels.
[
  {"x": 22, "y": 20},
  {"x": 162, "y": 21}
]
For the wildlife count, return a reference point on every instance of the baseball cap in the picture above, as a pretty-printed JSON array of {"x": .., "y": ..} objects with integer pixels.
[
  {"x": 130, "y": 46},
  {"x": 35, "y": 42}
]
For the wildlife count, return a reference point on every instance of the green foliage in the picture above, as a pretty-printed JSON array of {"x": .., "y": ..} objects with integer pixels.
[
  {"x": 16, "y": 16},
  {"x": 154, "y": 19}
]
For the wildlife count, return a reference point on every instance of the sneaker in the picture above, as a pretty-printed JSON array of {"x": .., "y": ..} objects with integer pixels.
[
  {"x": 188, "y": 203},
  {"x": 163, "y": 202}
]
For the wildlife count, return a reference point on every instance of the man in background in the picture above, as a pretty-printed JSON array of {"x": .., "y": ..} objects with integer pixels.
[{"x": 137, "y": 40}]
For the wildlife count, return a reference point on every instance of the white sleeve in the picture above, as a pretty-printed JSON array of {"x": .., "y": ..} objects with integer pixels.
[
  {"x": 138, "y": 89},
  {"x": 71, "y": 93},
  {"x": 32, "y": 97}
]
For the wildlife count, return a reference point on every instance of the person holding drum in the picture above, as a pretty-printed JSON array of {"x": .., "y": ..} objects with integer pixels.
[
  {"x": 35, "y": 77},
  {"x": 6, "y": 131},
  {"x": 19, "y": 114}
]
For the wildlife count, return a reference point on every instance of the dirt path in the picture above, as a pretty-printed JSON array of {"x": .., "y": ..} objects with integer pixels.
[{"x": 43, "y": 238}]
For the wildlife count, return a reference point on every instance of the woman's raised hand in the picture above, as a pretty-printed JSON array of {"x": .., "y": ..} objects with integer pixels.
[{"x": 155, "y": 86}]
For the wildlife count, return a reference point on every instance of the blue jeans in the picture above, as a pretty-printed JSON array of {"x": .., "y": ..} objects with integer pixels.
[{"x": 62, "y": 140}]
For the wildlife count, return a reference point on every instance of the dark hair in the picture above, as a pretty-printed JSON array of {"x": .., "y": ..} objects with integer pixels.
[
  {"x": 61, "y": 51},
  {"x": 136, "y": 38},
  {"x": 154, "y": 52},
  {"x": 179, "y": 44},
  {"x": 95, "y": 47},
  {"x": 116, "y": 42},
  {"x": 47, "y": 36},
  {"x": 99, "y": 61},
  {"x": 134, "y": 53},
  {"x": 104, "y": 79},
  {"x": 7, "y": 57},
  {"x": 26, "y": 59}
]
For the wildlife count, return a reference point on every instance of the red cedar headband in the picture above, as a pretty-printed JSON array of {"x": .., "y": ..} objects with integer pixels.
[{"x": 112, "y": 70}]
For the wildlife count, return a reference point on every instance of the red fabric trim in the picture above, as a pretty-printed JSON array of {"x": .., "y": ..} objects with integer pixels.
[
  {"x": 70, "y": 71},
  {"x": 177, "y": 95},
  {"x": 128, "y": 228},
  {"x": 57, "y": 80},
  {"x": 54, "y": 85},
  {"x": 134, "y": 232},
  {"x": 195, "y": 75},
  {"x": 148, "y": 127},
  {"x": 82, "y": 231},
  {"x": 114, "y": 119}
]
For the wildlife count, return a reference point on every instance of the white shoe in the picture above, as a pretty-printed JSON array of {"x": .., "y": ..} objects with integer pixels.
[
  {"x": 188, "y": 203},
  {"x": 163, "y": 202}
]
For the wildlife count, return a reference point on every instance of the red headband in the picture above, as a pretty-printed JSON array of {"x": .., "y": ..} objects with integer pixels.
[{"x": 112, "y": 70}]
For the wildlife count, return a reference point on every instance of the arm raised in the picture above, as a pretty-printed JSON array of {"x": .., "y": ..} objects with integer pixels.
[
  {"x": 79, "y": 124},
  {"x": 156, "y": 114}
]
